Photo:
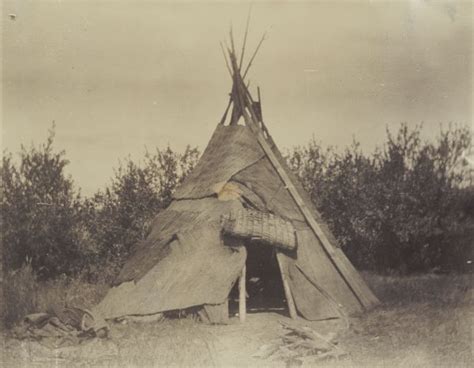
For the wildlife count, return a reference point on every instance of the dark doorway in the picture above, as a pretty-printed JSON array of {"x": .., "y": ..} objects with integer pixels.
[{"x": 263, "y": 280}]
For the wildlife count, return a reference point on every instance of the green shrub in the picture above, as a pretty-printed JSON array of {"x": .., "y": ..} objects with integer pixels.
[
  {"x": 406, "y": 207},
  {"x": 40, "y": 212}
]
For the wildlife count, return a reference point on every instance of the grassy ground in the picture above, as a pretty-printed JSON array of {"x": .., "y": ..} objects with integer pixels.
[
  {"x": 23, "y": 294},
  {"x": 425, "y": 321}
]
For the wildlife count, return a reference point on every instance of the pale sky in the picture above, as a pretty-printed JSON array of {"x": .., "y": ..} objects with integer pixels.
[{"x": 117, "y": 76}]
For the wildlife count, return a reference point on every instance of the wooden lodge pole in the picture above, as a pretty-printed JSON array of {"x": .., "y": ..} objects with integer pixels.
[
  {"x": 286, "y": 287},
  {"x": 242, "y": 295}
]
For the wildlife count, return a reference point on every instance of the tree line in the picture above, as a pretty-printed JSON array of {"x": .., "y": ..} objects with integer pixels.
[{"x": 406, "y": 207}]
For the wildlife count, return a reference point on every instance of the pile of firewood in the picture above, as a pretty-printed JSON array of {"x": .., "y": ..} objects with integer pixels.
[{"x": 300, "y": 344}]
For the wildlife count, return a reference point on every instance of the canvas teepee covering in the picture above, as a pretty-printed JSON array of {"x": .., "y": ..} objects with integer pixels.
[{"x": 188, "y": 261}]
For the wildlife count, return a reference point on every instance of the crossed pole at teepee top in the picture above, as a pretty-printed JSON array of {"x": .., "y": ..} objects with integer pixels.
[{"x": 245, "y": 107}]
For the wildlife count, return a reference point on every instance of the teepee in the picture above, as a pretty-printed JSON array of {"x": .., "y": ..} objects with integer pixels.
[{"x": 240, "y": 196}]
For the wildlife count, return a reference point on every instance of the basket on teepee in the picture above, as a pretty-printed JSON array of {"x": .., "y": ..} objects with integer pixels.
[{"x": 260, "y": 227}]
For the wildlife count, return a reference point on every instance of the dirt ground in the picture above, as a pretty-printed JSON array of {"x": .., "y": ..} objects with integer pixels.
[{"x": 430, "y": 330}]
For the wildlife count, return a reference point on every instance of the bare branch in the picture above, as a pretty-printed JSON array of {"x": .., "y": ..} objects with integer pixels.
[
  {"x": 254, "y": 54},
  {"x": 232, "y": 42},
  {"x": 226, "y": 61},
  {"x": 245, "y": 37}
]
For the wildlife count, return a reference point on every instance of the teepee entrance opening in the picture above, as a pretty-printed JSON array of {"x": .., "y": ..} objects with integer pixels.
[
  {"x": 264, "y": 290},
  {"x": 264, "y": 282}
]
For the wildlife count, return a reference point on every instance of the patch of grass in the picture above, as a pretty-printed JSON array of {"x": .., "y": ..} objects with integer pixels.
[
  {"x": 171, "y": 343},
  {"x": 444, "y": 289},
  {"x": 415, "y": 335},
  {"x": 19, "y": 295},
  {"x": 24, "y": 294},
  {"x": 176, "y": 342},
  {"x": 424, "y": 322}
]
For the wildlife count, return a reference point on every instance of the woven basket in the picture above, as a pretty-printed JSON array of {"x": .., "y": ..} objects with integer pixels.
[{"x": 260, "y": 227}]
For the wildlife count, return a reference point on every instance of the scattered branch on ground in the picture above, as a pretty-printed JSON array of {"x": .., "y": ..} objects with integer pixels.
[{"x": 300, "y": 343}]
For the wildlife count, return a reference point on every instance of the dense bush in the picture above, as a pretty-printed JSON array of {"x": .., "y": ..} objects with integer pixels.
[
  {"x": 407, "y": 207},
  {"x": 40, "y": 212}
]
